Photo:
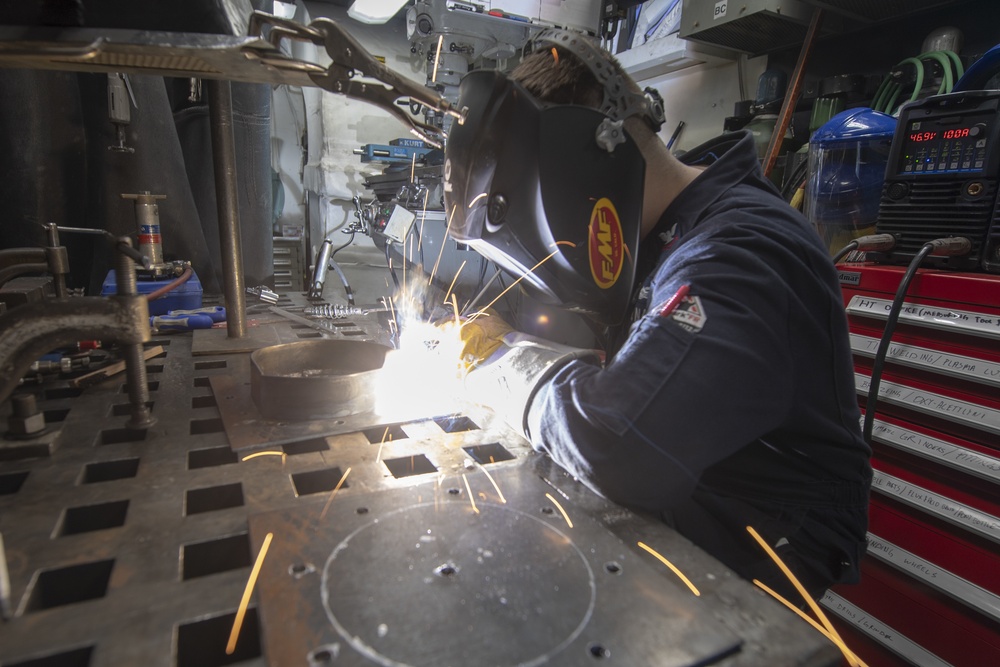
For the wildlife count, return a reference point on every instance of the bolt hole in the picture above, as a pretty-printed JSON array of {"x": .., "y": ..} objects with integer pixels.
[
  {"x": 320, "y": 657},
  {"x": 446, "y": 570},
  {"x": 597, "y": 651},
  {"x": 453, "y": 491},
  {"x": 362, "y": 510},
  {"x": 298, "y": 568},
  {"x": 547, "y": 510},
  {"x": 613, "y": 568}
]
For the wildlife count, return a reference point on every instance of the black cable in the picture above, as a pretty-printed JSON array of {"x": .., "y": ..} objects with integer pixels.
[
  {"x": 948, "y": 246},
  {"x": 876, "y": 242},
  {"x": 795, "y": 179},
  {"x": 339, "y": 248}
]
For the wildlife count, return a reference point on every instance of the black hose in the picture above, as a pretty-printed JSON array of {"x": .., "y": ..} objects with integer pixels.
[
  {"x": 846, "y": 250},
  {"x": 795, "y": 179},
  {"x": 883, "y": 344}
]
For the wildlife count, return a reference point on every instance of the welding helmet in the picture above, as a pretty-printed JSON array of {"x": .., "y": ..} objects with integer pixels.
[{"x": 551, "y": 193}]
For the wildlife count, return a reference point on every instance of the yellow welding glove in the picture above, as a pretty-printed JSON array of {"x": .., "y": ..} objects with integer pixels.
[
  {"x": 517, "y": 365},
  {"x": 482, "y": 335}
]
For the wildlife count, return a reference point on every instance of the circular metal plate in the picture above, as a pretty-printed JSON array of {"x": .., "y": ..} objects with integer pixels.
[{"x": 497, "y": 587}]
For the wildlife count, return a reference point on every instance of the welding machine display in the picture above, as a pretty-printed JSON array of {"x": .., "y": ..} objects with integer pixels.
[{"x": 941, "y": 180}]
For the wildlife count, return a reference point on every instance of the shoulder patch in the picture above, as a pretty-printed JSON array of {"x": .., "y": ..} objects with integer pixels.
[{"x": 690, "y": 314}]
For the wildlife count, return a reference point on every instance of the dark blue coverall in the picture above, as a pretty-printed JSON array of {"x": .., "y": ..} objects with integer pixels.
[{"x": 738, "y": 408}]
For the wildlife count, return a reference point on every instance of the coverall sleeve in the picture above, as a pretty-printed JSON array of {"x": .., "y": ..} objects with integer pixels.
[{"x": 676, "y": 400}]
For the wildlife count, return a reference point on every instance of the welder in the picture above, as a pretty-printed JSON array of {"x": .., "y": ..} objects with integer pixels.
[{"x": 723, "y": 396}]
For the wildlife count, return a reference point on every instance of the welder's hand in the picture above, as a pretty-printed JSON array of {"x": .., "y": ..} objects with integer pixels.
[
  {"x": 482, "y": 335},
  {"x": 516, "y": 367}
]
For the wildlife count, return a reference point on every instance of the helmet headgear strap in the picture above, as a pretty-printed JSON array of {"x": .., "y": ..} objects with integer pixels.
[{"x": 619, "y": 101}]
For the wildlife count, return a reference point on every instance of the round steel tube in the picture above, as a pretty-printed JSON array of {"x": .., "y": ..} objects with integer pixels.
[
  {"x": 317, "y": 379},
  {"x": 135, "y": 365},
  {"x": 220, "y": 106}
]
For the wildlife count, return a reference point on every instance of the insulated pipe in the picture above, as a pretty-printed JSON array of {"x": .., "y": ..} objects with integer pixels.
[{"x": 220, "y": 106}]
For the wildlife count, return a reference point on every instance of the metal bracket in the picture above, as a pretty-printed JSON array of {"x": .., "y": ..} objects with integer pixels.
[{"x": 349, "y": 61}]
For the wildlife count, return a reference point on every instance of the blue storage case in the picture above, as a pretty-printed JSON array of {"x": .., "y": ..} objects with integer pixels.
[{"x": 183, "y": 297}]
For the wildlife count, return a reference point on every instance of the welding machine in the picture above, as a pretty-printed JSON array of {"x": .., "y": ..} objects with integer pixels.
[{"x": 941, "y": 180}]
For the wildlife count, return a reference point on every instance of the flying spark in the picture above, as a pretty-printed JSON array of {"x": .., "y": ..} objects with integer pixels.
[
  {"x": 256, "y": 454},
  {"x": 378, "y": 457},
  {"x": 437, "y": 59},
  {"x": 511, "y": 286},
  {"x": 453, "y": 280},
  {"x": 560, "y": 508},
  {"x": 798, "y": 585},
  {"x": 333, "y": 493},
  {"x": 481, "y": 195},
  {"x": 444, "y": 240},
  {"x": 672, "y": 567},
  {"x": 423, "y": 218},
  {"x": 241, "y": 612},
  {"x": 849, "y": 655},
  {"x": 494, "y": 483},
  {"x": 471, "y": 499}
]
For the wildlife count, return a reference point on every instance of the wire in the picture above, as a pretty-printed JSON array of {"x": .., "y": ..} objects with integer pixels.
[
  {"x": 947, "y": 246},
  {"x": 347, "y": 286},
  {"x": 172, "y": 285},
  {"x": 341, "y": 247}
]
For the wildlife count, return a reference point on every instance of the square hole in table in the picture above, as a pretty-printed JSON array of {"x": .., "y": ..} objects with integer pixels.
[
  {"x": 317, "y": 481},
  {"x": 117, "y": 436},
  {"x": 456, "y": 424},
  {"x": 205, "y": 365},
  {"x": 106, "y": 471},
  {"x": 205, "y": 426},
  {"x": 67, "y": 585},
  {"x": 492, "y": 452},
  {"x": 212, "y": 498},
  {"x": 380, "y": 434},
  {"x": 202, "y": 643},
  {"x": 407, "y": 466},
  {"x": 211, "y": 457},
  {"x": 10, "y": 483},
  {"x": 306, "y": 446},
  {"x": 88, "y": 518},
  {"x": 220, "y": 555},
  {"x": 77, "y": 657},
  {"x": 203, "y": 401}
]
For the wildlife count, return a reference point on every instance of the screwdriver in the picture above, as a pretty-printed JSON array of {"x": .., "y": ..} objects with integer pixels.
[
  {"x": 180, "y": 322},
  {"x": 217, "y": 313}
]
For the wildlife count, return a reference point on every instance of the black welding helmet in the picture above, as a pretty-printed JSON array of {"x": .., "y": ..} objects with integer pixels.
[{"x": 552, "y": 193}]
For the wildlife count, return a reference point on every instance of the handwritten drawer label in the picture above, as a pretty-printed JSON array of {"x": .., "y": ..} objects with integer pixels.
[
  {"x": 957, "y": 365},
  {"x": 955, "y": 456},
  {"x": 936, "y": 317},
  {"x": 945, "y": 407}
]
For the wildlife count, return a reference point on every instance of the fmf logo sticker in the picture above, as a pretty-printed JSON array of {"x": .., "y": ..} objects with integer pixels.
[{"x": 606, "y": 244}]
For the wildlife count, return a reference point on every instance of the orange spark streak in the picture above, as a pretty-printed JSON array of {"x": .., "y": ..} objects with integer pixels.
[
  {"x": 469, "y": 489},
  {"x": 569, "y": 243},
  {"x": 413, "y": 164},
  {"x": 454, "y": 279},
  {"x": 555, "y": 55},
  {"x": 241, "y": 612},
  {"x": 560, "y": 508},
  {"x": 444, "y": 240},
  {"x": 423, "y": 218},
  {"x": 333, "y": 493},
  {"x": 493, "y": 482},
  {"x": 378, "y": 457},
  {"x": 437, "y": 59},
  {"x": 476, "y": 198},
  {"x": 454, "y": 307},
  {"x": 798, "y": 585},
  {"x": 848, "y": 653},
  {"x": 672, "y": 567},
  {"x": 509, "y": 287},
  {"x": 256, "y": 454}
]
